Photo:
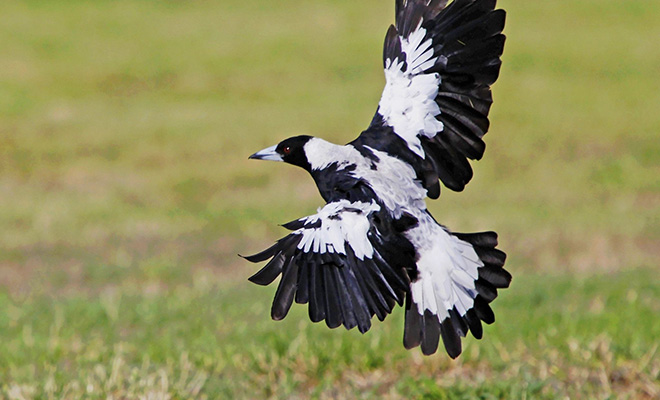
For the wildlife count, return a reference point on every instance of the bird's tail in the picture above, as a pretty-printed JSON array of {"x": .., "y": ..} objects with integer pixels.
[{"x": 457, "y": 277}]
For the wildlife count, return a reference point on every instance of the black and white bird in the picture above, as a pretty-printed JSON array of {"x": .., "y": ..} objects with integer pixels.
[{"x": 374, "y": 244}]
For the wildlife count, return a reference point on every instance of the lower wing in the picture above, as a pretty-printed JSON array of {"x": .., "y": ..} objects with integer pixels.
[{"x": 347, "y": 261}]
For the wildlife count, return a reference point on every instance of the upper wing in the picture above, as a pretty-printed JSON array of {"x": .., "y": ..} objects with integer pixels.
[
  {"x": 440, "y": 61},
  {"x": 346, "y": 261}
]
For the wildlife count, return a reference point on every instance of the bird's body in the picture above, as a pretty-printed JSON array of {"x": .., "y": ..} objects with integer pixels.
[
  {"x": 343, "y": 172},
  {"x": 374, "y": 243}
]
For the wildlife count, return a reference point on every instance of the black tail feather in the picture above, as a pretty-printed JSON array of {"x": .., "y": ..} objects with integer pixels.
[{"x": 421, "y": 328}]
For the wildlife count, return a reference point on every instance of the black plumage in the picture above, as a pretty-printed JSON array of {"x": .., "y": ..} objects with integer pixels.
[
  {"x": 468, "y": 44},
  {"x": 374, "y": 244},
  {"x": 340, "y": 288}
]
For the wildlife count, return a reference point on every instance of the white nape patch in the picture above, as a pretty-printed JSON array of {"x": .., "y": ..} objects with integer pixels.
[
  {"x": 342, "y": 222},
  {"x": 321, "y": 153},
  {"x": 448, "y": 268},
  {"x": 408, "y": 101}
]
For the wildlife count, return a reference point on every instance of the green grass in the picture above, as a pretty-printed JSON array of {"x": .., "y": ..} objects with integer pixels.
[
  {"x": 587, "y": 336},
  {"x": 125, "y": 195}
]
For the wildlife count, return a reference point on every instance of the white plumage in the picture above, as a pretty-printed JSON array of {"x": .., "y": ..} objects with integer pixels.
[
  {"x": 341, "y": 222},
  {"x": 374, "y": 244},
  {"x": 448, "y": 270},
  {"x": 408, "y": 100}
]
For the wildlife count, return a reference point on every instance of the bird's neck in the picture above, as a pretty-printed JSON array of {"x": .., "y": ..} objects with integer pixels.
[{"x": 320, "y": 153}]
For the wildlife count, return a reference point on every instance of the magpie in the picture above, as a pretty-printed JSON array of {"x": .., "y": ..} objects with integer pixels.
[{"x": 374, "y": 244}]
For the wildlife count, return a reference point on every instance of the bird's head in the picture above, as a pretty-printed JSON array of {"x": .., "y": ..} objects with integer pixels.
[{"x": 291, "y": 150}]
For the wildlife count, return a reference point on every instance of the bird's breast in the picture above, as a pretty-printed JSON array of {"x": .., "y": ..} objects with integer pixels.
[{"x": 338, "y": 182}]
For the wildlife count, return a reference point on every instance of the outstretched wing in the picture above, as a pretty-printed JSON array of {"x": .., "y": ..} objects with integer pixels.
[
  {"x": 347, "y": 261},
  {"x": 440, "y": 61}
]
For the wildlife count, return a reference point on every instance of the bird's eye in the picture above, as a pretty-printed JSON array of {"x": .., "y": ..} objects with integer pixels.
[{"x": 286, "y": 150}]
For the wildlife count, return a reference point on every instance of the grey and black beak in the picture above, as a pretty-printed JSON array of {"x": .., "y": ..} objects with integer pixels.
[{"x": 267, "y": 154}]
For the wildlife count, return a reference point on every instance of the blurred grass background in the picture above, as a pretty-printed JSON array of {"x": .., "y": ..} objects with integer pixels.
[{"x": 126, "y": 193}]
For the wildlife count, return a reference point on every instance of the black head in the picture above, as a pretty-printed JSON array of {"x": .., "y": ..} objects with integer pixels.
[{"x": 291, "y": 150}]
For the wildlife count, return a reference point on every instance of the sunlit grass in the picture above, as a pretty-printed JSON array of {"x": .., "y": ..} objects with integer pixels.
[
  {"x": 126, "y": 193},
  {"x": 586, "y": 336}
]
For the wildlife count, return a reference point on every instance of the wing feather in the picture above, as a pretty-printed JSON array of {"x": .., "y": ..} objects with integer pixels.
[
  {"x": 440, "y": 61},
  {"x": 341, "y": 264}
]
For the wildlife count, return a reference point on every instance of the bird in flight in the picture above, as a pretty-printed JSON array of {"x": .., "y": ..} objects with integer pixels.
[{"x": 374, "y": 244}]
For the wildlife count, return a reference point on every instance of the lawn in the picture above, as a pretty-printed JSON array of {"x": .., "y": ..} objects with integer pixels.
[{"x": 126, "y": 195}]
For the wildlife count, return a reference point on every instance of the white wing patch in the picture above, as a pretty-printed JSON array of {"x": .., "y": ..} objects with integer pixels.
[
  {"x": 408, "y": 101},
  {"x": 341, "y": 223},
  {"x": 448, "y": 269}
]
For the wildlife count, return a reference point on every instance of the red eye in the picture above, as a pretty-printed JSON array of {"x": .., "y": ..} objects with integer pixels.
[{"x": 286, "y": 150}]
